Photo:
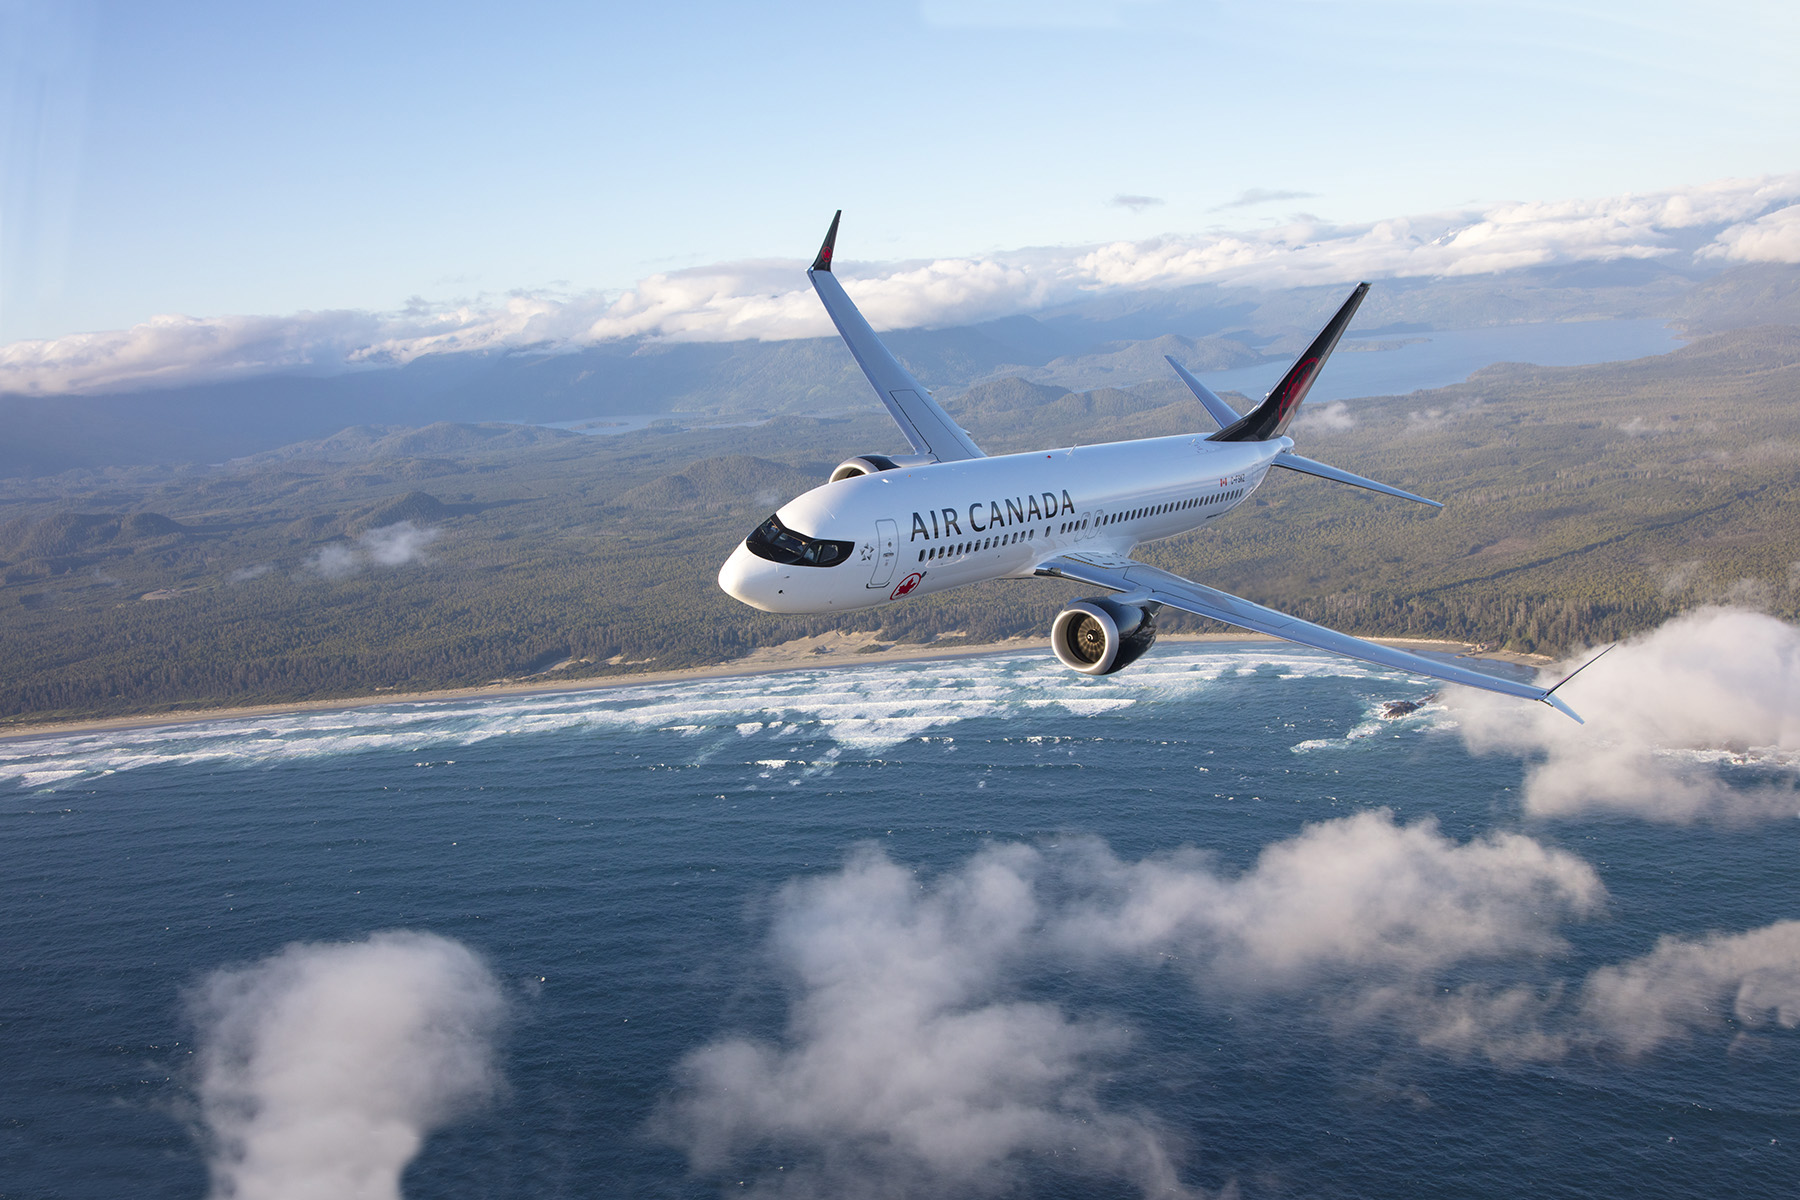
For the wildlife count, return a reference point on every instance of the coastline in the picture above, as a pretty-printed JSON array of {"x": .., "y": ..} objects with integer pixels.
[{"x": 826, "y": 652}]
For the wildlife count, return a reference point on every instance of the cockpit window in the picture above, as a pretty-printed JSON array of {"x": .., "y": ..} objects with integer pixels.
[{"x": 777, "y": 543}]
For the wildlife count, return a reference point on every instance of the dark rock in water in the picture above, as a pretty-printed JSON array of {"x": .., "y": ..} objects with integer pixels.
[{"x": 1393, "y": 710}]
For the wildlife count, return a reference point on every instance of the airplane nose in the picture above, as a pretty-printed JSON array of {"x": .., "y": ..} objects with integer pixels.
[{"x": 742, "y": 578}]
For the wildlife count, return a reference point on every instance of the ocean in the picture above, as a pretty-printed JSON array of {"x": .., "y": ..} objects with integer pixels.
[
  {"x": 959, "y": 927},
  {"x": 1441, "y": 357},
  {"x": 1406, "y": 362}
]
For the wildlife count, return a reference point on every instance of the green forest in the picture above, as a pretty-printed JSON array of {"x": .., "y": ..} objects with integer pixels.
[{"x": 1583, "y": 504}]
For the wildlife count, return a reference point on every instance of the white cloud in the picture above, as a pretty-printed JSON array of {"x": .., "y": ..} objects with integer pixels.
[
  {"x": 1773, "y": 238},
  {"x": 1253, "y": 196},
  {"x": 1683, "y": 986},
  {"x": 905, "y": 1070},
  {"x": 324, "y": 1067},
  {"x": 912, "y": 1063},
  {"x": 1687, "y": 984},
  {"x": 770, "y": 300},
  {"x": 1335, "y": 417},
  {"x": 1362, "y": 895},
  {"x": 1136, "y": 204},
  {"x": 389, "y": 546},
  {"x": 1670, "y": 716},
  {"x": 910, "y": 1066}
]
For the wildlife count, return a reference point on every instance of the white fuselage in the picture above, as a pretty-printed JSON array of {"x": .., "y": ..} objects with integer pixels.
[{"x": 925, "y": 529}]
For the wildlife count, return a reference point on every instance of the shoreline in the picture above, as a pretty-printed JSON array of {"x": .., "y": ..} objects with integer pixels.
[{"x": 832, "y": 651}]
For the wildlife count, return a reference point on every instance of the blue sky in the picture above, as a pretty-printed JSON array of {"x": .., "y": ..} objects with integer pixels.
[{"x": 230, "y": 158}]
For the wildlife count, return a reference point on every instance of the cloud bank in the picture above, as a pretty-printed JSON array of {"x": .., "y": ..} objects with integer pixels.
[
  {"x": 324, "y": 1067},
  {"x": 1717, "y": 688},
  {"x": 771, "y": 301},
  {"x": 913, "y": 1063},
  {"x": 1772, "y": 238},
  {"x": 910, "y": 1058}
]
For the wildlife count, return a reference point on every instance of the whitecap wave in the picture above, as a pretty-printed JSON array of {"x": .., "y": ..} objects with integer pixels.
[{"x": 863, "y": 709}]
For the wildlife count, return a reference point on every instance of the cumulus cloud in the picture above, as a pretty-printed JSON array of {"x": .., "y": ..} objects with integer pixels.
[
  {"x": 771, "y": 301},
  {"x": 324, "y": 1067},
  {"x": 389, "y": 546},
  {"x": 1682, "y": 987},
  {"x": 1135, "y": 203},
  {"x": 1773, "y": 238},
  {"x": 1362, "y": 895},
  {"x": 1687, "y": 984},
  {"x": 1500, "y": 238},
  {"x": 1697, "y": 719},
  {"x": 1335, "y": 417},
  {"x": 906, "y": 1070},
  {"x": 915, "y": 1060},
  {"x": 911, "y": 1066},
  {"x": 1253, "y": 196}
]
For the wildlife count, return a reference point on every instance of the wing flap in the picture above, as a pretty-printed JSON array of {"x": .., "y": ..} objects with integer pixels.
[{"x": 1163, "y": 587}]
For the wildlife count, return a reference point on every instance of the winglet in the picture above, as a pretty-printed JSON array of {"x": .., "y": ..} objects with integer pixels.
[
  {"x": 1558, "y": 705},
  {"x": 823, "y": 262},
  {"x": 1564, "y": 709}
]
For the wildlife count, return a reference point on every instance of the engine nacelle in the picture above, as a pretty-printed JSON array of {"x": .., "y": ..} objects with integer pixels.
[
  {"x": 1098, "y": 636},
  {"x": 869, "y": 464}
]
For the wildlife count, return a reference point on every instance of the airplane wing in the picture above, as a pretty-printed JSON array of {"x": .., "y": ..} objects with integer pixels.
[
  {"x": 926, "y": 425},
  {"x": 1144, "y": 584}
]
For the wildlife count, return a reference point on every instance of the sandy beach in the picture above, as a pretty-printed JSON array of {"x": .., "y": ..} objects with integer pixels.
[{"x": 831, "y": 650}]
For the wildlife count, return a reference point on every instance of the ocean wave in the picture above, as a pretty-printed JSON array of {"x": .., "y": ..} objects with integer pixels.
[{"x": 865, "y": 709}]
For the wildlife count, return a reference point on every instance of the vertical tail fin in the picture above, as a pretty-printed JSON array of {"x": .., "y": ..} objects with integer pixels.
[{"x": 1270, "y": 418}]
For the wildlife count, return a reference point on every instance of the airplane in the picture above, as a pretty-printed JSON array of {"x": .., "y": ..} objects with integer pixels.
[{"x": 886, "y": 527}]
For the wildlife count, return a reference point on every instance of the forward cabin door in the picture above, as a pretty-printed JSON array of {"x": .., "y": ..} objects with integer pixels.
[{"x": 887, "y": 552}]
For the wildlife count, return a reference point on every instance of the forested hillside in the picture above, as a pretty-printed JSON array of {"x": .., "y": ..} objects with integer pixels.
[{"x": 1583, "y": 503}]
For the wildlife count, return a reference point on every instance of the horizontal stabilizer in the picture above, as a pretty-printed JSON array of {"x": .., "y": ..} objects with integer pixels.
[
  {"x": 1308, "y": 466},
  {"x": 1221, "y": 412}
]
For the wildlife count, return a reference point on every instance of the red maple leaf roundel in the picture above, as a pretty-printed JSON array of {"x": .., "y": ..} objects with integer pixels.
[{"x": 906, "y": 585}]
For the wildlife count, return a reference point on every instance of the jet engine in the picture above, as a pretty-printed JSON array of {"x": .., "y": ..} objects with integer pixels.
[
  {"x": 869, "y": 464},
  {"x": 1099, "y": 636}
]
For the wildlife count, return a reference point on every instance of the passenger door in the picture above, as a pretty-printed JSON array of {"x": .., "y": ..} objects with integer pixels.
[{"x": 887, "y": 553}]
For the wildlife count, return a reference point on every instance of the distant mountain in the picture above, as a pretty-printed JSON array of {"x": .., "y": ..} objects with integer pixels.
[{"x": 1113, "y": 340}]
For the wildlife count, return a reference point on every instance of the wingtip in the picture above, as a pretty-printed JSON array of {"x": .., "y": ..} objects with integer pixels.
[
  {"x": 1556, "y": 702},
  {"x": 823, "y": 261}
]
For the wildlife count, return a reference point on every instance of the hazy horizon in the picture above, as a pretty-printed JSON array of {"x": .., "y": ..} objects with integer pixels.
[
  {"x": 1696, "y": 229},
  {"x": 211, "y": 160}
]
